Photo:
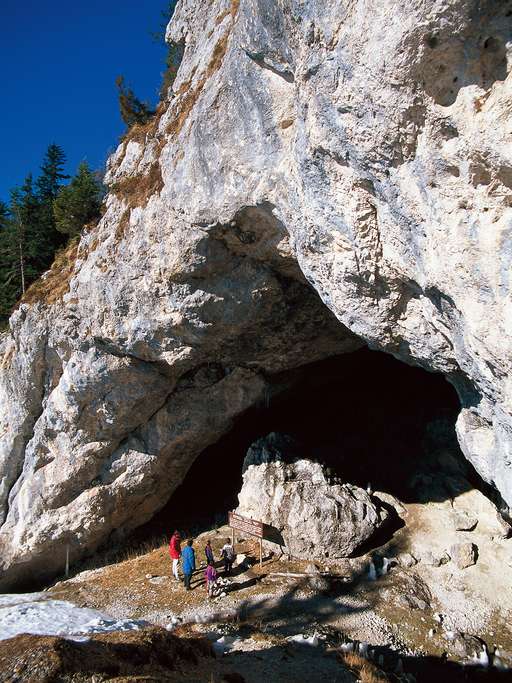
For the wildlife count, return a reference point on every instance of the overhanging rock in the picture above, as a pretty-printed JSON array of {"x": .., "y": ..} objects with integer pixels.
[{"x": 340, "y": 154}]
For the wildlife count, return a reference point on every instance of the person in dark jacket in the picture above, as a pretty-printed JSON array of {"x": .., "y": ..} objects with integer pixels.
[
  {"x": 208, "y": 551},
  {"x": 188, "y": 563},
  {"x": 228, "y": 555}
]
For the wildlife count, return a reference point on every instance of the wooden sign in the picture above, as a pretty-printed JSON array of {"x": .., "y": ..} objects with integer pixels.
[{"x": 248, "y": 526}]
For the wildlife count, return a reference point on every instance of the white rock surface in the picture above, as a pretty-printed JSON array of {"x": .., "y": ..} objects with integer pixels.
[
  {"x": 464, "y": 554},
  {"x": 361, "y": 149}
]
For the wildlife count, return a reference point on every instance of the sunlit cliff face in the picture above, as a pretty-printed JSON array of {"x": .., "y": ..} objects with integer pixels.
[{"x": 320, "y": 180}]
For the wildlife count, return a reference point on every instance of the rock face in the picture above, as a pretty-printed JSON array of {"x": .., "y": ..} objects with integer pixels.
[
  {"x": 324, "y": 175},
  {"x": 315, "y": 519},
  {"x": 464, "y": 554}
]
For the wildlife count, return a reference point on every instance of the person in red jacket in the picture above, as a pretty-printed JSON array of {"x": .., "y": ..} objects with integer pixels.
[{"x": 175, "y": 553}]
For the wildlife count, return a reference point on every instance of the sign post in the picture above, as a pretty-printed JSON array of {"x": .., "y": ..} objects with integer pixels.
[{"x": 248, "y": 526}]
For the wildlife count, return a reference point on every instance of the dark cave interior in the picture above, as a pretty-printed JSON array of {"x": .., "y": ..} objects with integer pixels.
[{"x": 367, "y": 416}]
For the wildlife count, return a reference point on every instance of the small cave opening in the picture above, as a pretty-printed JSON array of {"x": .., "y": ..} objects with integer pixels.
[{"x": 369, "y": 418}]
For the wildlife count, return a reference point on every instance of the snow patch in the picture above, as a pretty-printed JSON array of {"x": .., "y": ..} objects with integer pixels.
[{"x": 35, "y": 614}]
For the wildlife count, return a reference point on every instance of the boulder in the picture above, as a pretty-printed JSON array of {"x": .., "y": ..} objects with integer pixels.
[
  {"x": 464, "y": 645},
  {"x": 319, "y": 583},
  {"x": 435, "y": 558},
  {"x": 158, "y": 580},
  {"x": 464, "y": 554},
  {"x": 412, "y": 602},
  {"x": 407, "y": 560},
  {"x": 473, "y": 504},
  {"x": 462, "y": 521},
  {"x": 314, "y": 519}
]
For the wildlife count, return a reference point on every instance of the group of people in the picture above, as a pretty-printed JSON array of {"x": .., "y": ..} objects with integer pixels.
[{"x": 187, "y": 555}]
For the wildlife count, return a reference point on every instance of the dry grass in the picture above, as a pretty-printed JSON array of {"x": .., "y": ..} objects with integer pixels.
[
  {"x": 7, "y": 357},
  {"x": 124, "y": 221},
  {"x": 85, "y": 250},
  {"x": 222, "y": 16},
  {"x": 151, "y": 654},
  {"x": 122, "y": 581},
  {"x": 52, "y": 286},
  {"x": 139, "y": 132},
  {"x": 365, "y": 671},
  {"x": 232, "y": 10},
  {"x": 235, "y": 6},
  {"x": 186, "y": 85},
  {"x": 54, "y": 283},
  {"x": 136, "y": 190}
]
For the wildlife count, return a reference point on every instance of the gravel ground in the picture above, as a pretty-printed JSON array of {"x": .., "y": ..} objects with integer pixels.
[{"x": 262, "y": 606}]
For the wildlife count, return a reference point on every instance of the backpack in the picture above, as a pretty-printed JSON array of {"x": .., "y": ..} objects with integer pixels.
[{"x": 229, "y": 553}]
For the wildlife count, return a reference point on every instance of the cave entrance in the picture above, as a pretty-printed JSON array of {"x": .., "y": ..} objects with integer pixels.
[{"x": 367, "y": 416}]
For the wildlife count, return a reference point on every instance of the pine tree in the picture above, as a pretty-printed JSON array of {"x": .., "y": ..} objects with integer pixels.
[
  {"x": 28, "y": 246},
  {"x": 174, "y": 53},
  {"x": 132, "y": 110},
  {"x": 25, "y": 251},
  {"x": 18, "y": 246},
  {"x": 48, "y": 185},
  {"x": 79, "y": 202},
  {"x": 52, "y": 172},
  {"x": 172, "y": 63},
  {"x": 4, "y": 216},
  {"x": 8, "y": 288}
]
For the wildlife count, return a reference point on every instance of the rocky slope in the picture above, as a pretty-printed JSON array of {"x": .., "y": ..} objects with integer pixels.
[
  {"x": 394, "y": 603},
  {"x": 325, "y": 175}
]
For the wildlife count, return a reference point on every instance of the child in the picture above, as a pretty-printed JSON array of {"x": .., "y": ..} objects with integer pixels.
[
  {"x": 208, "y": 551},
  {"x": 211, "y": 579}
]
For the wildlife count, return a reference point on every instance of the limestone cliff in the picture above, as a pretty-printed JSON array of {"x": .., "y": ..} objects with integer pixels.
[{"x": 326, "y": 174}]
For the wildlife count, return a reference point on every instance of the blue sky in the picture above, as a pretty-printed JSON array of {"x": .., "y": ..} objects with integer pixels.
[{"x": 59, "y": 61}]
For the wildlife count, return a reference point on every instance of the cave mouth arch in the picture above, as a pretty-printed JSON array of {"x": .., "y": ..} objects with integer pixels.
[{"x": 370, "y": 418}]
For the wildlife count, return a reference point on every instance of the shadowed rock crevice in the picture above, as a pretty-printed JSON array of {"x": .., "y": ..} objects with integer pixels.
[{"x": 366, "y": 417}]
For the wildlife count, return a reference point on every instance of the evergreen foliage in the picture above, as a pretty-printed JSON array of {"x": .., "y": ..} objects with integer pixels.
[
  {"x": 172, "y": 63},
  {"x": 131, "y": 108},
  {"x": 48, "y": 185},
  {"x": 79, "y": 202},
  {"x": 8, "y": 264},
  {"x": 52, "y": 172},
  {"x": 38, "y": 220},
  {"x": 25, "y": 251},
  {"x": 174, "y": 53},
  {"x": 29, "y": 244}
]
